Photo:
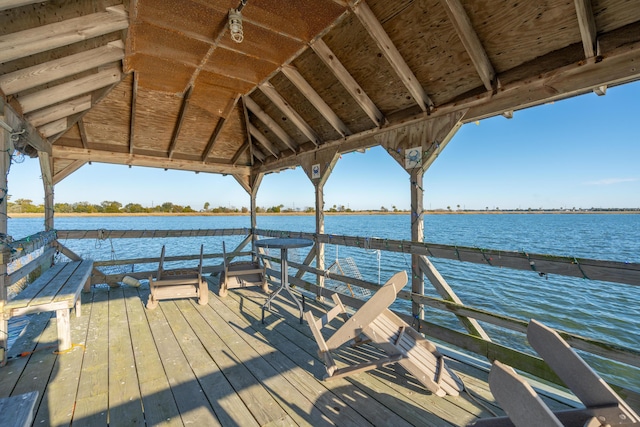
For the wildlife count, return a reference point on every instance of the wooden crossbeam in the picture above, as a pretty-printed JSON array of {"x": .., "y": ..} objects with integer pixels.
[
  {"x": 68, "y": 170},
  {"x": 239, "y": 153},
  {"x": 47, "y": 72},
  {"x": 393, "y": 56},
  {"x": 293, "y": 116},
  {"x": 178, "y": 126},
  {"x": 50, "y": 114},
  {"x": 65, "y": 91},
  {"x": 314, "y": 98},
  {"x": 83, "y": 134},
  {"x": 471, "y": 42},
  {"x": 91, "y": 155},
  {"x": 255, "y": 132},
  {"x": 587, "y": 24},
  {"x": 216, "y": 131},
  {"x": 346, "y": 79},
  {"x": 51, "y": 36},
  {"x": 269, "y": 123}
]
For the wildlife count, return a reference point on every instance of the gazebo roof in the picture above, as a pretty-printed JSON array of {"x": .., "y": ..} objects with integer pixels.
[{"x": 162, "y": 83}]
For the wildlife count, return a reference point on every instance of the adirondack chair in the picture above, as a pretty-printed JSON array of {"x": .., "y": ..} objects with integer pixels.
[
  {"x": 375, "y": 323},
  {"x": 603, "y": 407},
  {"x": 241, "y": 274},
  {"x": 171, "y": 284}
]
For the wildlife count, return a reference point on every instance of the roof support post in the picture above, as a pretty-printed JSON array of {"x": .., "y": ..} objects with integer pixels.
[
  {"x": 417, "y": 235},
  {"x": 46, "y": 168},
  {"x": 256, "y": 180},
  {"x": 5, "y": 161},
  {"x": 318, "y": 170}
]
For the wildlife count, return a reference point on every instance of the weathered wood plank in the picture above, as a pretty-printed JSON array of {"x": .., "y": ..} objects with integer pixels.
[
  {"x": 191, "y": 402},
  {"x": 51, "y": 36},
  {"x": 92, "y": 401},
  {"x": 125, "y": 403},
  {"x": 59, "y": 400},
  {"x": 157, "y": 399},
  {"x": 59, "y": 111}
]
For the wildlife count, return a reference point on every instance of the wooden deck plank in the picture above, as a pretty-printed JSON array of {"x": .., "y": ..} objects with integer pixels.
[
  {"x": 368, "y": 405},
  {"x": 19, "y": 353},
  {"x": 331, "y": 405},
  {"x": 192, "y": 403},
  {"x": 93, "y": 388},
  {"x": 159, "y": 404},
  {"x": 125, "y": 403},
  {"x": 262, "y": 405},
  {"x": 188, "y": 324},
  {"x": 58, "y": 402},
  {"x": 280, "y": 377}
]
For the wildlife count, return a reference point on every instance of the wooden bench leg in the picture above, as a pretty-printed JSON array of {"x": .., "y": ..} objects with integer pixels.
[
  {"x": 87, "y": 285},
  {"x": 64, "y": 329},
  {"x": 78, "y": 308},
  {"x": 4, "y": 339},
  {"x": 203, "y": 292}
]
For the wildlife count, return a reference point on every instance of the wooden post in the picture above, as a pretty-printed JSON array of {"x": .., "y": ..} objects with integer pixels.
[
  {"x": 255, "y": 184},
  {"x": 6, "y": 148},
  {"x": 417, "y": 235},
  {"x": 46, "y": 169},
  {"x": 318, "y": 170}
]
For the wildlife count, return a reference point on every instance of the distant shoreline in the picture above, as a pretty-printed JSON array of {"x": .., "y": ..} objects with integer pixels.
[{"x": 427, "y": 212}]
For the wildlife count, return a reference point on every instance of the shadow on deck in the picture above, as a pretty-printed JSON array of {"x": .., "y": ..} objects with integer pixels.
[{"x": 214, "y": 365}]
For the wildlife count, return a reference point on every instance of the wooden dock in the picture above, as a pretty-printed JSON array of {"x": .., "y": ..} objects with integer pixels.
[{"x": 185, "y": 364}]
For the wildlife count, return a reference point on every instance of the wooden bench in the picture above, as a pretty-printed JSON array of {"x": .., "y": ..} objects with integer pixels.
[
  {"x": 18, "y": 410},
  {"x": 241, "y": 274},
  {"x": 57, "y": 289}
]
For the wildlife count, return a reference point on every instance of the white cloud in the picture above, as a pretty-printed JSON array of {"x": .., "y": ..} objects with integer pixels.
[{"x": 612, "y": 181}]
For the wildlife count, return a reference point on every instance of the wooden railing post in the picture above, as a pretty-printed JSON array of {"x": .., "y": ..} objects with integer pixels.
[{"x": 6, "y": 148}]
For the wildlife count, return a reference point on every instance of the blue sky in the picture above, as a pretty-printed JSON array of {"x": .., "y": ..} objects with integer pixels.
[{"x": 582, "y": 152}]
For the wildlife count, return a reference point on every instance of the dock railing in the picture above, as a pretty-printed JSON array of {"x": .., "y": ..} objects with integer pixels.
[{"x": 474, "y": 341}]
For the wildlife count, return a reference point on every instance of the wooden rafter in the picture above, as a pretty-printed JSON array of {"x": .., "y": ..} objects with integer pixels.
[
  {"x": 269, "y": 123},
  {"x": 471, "y": 42},
  {"x": 73, "y": 153},
  {"x": 262, "y": 140},
  {"x": 346, "y": 79},
  {"x": 33, "y": 137},
  {"x": 56, "y": 112},
  {"x": 83, "y": 134},
  {"x": 239, "y": 153},
  {"x": 314, "y": 98},
  {"x": 53, "y": 128},
  {"x": 65, "y": 91},
  {"x": 10, "y": 4},
  {"x": 293, "y": 116},
  {"x": 51, "y": 36},
  {"x": 587, "y": 24},
  {"x": 257, "y": 153},
  {"x": 216, "y": 131},
  {"x": 178, "y": 126},
  {"x": 252, "y": 148},
  {"x": 391, "y": 53},
  {"x": 47, "y": 72},
  {"x": 134, "y": 101},
  {"x": 71, "y": 168}
]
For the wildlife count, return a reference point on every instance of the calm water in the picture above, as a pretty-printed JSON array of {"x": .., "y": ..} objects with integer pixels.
[{"x": 601, "y": 310}]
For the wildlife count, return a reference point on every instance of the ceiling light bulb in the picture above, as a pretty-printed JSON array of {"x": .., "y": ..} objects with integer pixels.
[{"x": 235, "y": 25}]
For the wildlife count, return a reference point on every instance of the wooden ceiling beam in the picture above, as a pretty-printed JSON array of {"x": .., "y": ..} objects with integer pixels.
[
  {"x": 68, "y": 170},
  {"x": 134, "y": 102},
  {"x": 293, "y": 116},
  {"x": 314, "y": 98},
  {"x": 178, "y": 126},
  {"x": 46, "y": 37},
  {"x": 65, "y": 91},
  {"x": 270, "y": 123},
  {"x": 346, "y": 79},
  {"x": 98, "y": 156},
  {"x": 245, "y": 124},
  {"x": 53, "y": 128},
  {"x": 47, "y": 72},
  {"x": 239, "y": 153},
  {"x": 216, "y": 131},
  {"x": 461, "y": 22},
  {"x": 10, "y": 4},
  {"x": 393, "y": 56},
  {"x": 587, "y": 24},
  {"x": 83, "y": 134},
  {"x": 50, "y": 114},
  {"x": 262, "y": 140},
  {"x": 257, "y": 153},
  {"x": 30, "y": 137}
]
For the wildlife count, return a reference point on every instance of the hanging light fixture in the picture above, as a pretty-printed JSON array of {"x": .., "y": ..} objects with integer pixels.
[{"x": 235, "y": 22}]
